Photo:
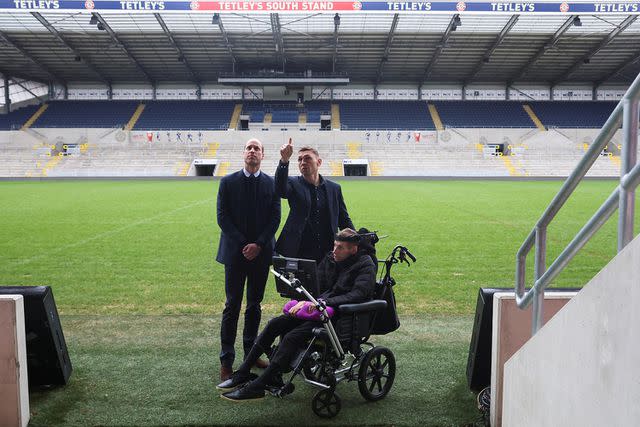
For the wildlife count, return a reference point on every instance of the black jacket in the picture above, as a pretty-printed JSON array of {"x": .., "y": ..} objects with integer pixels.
[
  {"x": 295, "y": 191},
  {"x": 349, "y": 282},
  {"x": 233, "y": 216}
]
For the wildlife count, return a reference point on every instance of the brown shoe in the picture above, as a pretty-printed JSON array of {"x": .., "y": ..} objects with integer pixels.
[
  {"x": 225, "y": 372},
  {"x": 261, "y": 364}
]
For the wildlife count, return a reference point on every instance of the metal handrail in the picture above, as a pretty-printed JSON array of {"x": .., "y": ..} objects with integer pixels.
[{"x": 625, "y": 113}]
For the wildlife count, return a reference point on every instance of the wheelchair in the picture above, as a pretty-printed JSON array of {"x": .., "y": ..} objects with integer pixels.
[{"x": 340, "y": 350}]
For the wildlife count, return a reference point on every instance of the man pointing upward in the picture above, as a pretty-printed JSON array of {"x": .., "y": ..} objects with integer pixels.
[{"x": 316, "y": 206}]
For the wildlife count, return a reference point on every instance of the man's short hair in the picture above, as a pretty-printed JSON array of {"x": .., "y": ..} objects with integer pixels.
[
  {"x": 308, "y": 148},
  {"x": 254, "y": 140},
  {"x": 348, "y": 235}
]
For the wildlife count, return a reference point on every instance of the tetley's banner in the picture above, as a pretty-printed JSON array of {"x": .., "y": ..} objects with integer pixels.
[{"x": 433, "y": 7}]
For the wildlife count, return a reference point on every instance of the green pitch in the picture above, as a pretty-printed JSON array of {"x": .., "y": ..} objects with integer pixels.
[
  {"x": 140, "y": 295},
  {"x": 148, "y": 247}
]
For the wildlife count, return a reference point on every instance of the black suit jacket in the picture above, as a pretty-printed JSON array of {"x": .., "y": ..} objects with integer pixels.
[
  {"x": 294, "y": 190},
  {"x": 233, "y": 216}
]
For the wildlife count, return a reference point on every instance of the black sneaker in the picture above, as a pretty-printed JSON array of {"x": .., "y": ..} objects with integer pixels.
[
  {"x": 236, "y": 380},
  {"x": 244, "y": 393}
]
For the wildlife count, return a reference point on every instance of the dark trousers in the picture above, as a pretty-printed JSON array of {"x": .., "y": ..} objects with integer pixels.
[
  {"x": 235, "y": 275},
  {"x": 295, "y": 334}
]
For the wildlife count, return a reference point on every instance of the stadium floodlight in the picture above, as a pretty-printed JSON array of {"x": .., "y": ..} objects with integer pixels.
[
  {"x": 93, "y": 20},
  {"x": 215, "y": 20},
  {"x": 577, "y": 22}
]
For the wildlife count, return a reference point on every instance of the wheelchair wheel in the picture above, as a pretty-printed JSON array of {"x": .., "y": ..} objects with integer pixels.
[
  {"x": 326, "y": 404},
  {"x": 376, "y": 374}
]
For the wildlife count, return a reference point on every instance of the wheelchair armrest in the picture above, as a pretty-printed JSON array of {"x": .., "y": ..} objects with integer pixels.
[{"x": 375, "y": 305}]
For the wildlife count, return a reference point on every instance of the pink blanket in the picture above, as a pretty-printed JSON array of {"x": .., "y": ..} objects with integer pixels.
[{"x": 304, "y": 314}]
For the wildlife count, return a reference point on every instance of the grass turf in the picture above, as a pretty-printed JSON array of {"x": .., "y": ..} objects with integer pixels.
[
  {"x": 157, "y": 370},
  {"x": 131, "y": 264},
  {"x": 148, "y": 247}
]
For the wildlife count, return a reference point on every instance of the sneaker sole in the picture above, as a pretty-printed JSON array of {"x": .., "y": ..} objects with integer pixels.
[
  {"x": 227, "y": 389},
  {"x": 242, "y": 400}
]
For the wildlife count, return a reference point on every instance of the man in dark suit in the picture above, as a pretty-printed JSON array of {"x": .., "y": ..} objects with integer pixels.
[
  {"x": 248, "y": 215},
  {"x": 317, "y": 209}
]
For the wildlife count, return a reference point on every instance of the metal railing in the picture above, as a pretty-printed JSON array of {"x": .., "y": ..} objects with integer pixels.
[{"x": 623, "y": 197}]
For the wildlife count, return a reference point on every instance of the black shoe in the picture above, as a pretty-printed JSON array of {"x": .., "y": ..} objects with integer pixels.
[
  {"x": 236, "y": 380},
  {"x": 248, "y": 392}
]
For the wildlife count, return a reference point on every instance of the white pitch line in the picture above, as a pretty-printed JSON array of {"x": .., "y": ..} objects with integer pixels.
[{"x": 107, "y": 233}]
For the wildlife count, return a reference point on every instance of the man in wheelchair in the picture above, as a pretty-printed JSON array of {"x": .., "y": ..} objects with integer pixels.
[{"x": 346, "y": 276}]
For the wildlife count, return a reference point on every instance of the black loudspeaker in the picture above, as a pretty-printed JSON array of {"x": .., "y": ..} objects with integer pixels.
[
  {"x": 479, "y": 362},
  {"x": 48, "y": 360}
]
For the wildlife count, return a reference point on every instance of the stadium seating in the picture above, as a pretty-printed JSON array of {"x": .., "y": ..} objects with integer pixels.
[
  {"x": 573, "y": 114},
  {"x": 483, "y": 114},
  {"x": 405, "y": 115},
  {"x": 192, "y": 115},
  {"x": 86, "y": 114},
  {"x": 315, "y": 109},
  {"x": 255, "y": 110},
  {"x": 15, "y": 119},
  {"x": 285, "y": 111}
]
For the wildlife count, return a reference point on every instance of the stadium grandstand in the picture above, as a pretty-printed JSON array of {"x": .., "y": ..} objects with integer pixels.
[
  {"x": 511, "y": 91},
  {"x": 494, "y": 94}
]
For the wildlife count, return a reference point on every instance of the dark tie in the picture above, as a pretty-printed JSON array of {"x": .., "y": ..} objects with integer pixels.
[{"x": 252, "y": 184}]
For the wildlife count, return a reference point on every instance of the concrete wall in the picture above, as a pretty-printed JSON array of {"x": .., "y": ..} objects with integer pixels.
[
  {"x": 14, "y": 387},
  {"x": 511, "y": 330},
  {"x": 581, "y": 368}
]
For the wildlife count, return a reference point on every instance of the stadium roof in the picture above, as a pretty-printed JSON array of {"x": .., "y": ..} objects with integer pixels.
[{"x": 379, "y": 48}]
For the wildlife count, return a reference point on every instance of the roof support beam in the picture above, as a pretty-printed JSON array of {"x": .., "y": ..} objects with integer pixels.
[
  {"x": 22, "y": 76},
  {"x": 181, "y": 56},
  {"x": 453, "y": 24},
  {"x": 7, "y": 98},
  {"x": 227, "y": 43},
  {"x": 548, "y": 45},
  {"x": 487, "y": 55},
  {"x": 27, "y": 55},
  {"x": 387, "y": 47},
  {"x": 122, "y": 46},
  {"x": 61, "y": 39},
  {"x": 278, "y": 39},
  {"x": 586, "y": 58},
  {"x": 618, "y": 69},
  {"x": 40, "y": 97},
  {"x": 336, "y": 26}
]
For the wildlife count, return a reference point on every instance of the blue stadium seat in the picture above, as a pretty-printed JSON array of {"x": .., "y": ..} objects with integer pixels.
[
  {"x": 317, "y": 108},
  {"x": 285, "y": 111},
  {"x": 573, "y": 114},
  {"x": 186, "y": 115},
  {"x": 406, "y": 115},
  {"x": 15, "y": 119},
  {"x": 483, "y": 114},
  {"x": 86, "y": 114}
]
